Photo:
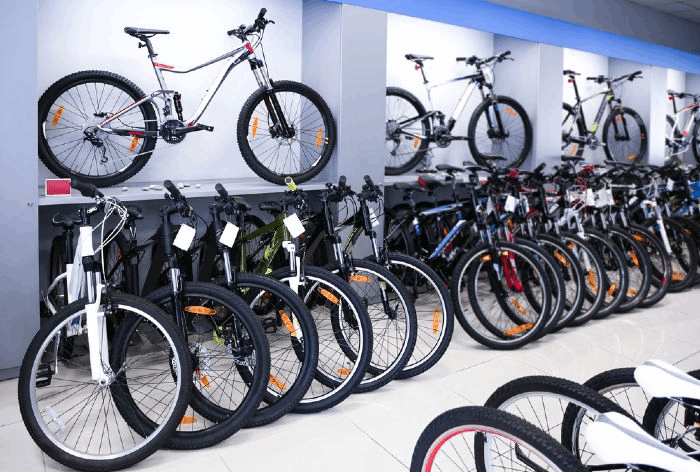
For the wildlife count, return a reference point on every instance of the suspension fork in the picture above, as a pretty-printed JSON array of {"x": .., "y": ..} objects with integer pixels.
[{"x": 173, "y": 268}]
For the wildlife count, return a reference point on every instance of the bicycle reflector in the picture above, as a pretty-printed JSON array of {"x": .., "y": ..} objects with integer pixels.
[
  {"x": 57, "y": 187},
  {"x": 514, "y": 172}
]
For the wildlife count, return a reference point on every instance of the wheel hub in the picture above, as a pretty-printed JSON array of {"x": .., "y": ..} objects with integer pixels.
[{"x": 167, "y": 131}]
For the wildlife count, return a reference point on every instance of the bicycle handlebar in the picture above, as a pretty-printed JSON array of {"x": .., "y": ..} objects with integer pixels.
[
  {"x": 86, "y": 189},
  {"x": 473, "y": 60},
  {"x": 258, "y": 25},
  {"x": 601, "y": 78},
  {"x": 221, "y": 191},
  {"x": 170, "y": 187}
]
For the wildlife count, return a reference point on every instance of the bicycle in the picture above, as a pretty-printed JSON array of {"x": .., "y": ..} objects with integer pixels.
[
  {"x": 499, "y": 124},
  {"x": 101, "y": 128},
  {"x": 681, "y": 137},
  {"x": 624, "y": 132},
  {"x": 80, "y": 409}
]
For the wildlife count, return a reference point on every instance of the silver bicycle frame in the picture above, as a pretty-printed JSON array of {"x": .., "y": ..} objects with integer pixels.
[
  {"x": 232, "y": 59},
  {"x": 468, "y": 91},
  {"x": 684, "y": 140}
]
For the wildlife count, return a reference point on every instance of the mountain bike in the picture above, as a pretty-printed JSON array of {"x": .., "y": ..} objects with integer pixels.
[
  {"x": 80, "y": 409},
  {"x": 499, "y": 125},
  {"x": 101, "y": 128},
  {"x": 680, "y": 137},
  {"x": 624, "y": 132}
]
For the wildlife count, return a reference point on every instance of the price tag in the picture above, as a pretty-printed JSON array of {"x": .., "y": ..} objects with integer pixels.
[
  {"x": 590, "y": 197},
  {"x": 373, "y": 218},
  {"x": 525, "y": 203},
  {"x": 294, "y": 225},
  {"x": 669, "y": 185},
  {"x": 184, "y": 237},
  {"x": 510, "y": 204},
  {"x": 602, "y": 198},
  {"x": 489, "y": 206},
  {"x": 228, "y": 236}
]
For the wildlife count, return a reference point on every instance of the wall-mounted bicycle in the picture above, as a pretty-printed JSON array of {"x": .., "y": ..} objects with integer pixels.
[
  {"x": 499, "y": 125},
  {"x": 101, "y": 128},
  {"x": 681, "y": 136}
]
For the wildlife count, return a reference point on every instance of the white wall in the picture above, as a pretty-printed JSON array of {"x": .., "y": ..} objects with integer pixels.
[
  {"x": 407, "y": 35},
  {"x": 89, "y": 34},
  {"x": 588, "y": 65}
]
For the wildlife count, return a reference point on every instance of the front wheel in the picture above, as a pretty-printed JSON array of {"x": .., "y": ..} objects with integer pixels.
[
  {"x": 500, "y": 126},
  {"x": 74, "y": 143},
  {"x": 286, "y": 131},
  {"x": 624, "y": 136}
]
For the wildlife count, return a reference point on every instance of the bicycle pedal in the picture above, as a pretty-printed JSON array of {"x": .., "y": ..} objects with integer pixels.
[{"x": 43, "y": 375}]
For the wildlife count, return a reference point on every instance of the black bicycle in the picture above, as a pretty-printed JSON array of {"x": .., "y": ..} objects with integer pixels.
[
  {"x": 624, "y": 132},
  {"x": 499, "y": 125}
]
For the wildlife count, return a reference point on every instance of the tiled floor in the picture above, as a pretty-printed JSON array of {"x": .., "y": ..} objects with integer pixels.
[{"x": 377, "y": 431}]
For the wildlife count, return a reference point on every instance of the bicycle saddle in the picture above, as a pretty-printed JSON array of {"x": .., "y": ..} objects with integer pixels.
[
  {"x": 417, "y": 58},
  {"x": 406, "y": 187},
  {"x": 617, "y": 439},
  {"x": 449, "y": 169},
  {"x": 65, "y": 219},
  {"x": 271, "y": 206},
  {"x": 139, "y": 32},
  {"x": 661, "y": 379},
  {"x": 493, "y": 157}
]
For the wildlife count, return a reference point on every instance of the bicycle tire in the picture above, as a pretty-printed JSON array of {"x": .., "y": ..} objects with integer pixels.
[
  {"x": 293, "y": 347},
  {"x": 638, "y": 268},
  {"x": 616, "y": 278},
  {"x": 400, "y": 103},
  {"x": 434, "y": 312},
  {"x": 480, "y": 141},
  {"x": 636, "y": 150},
  {"x": 572, "y": 274},
  {"x": 667, "y": 420},
  {"x": 319, "y": 143},
  {"x": 224, "y": 339},
  {"x": 592, "y": 267},
  {"x": 552, "y": 404},
  {"x": 59, "y": 105},
  {"x": 620, "y": 386},
  {"x": 660, "y": 264},
  {"x": 509, "y": 333},
  {"x": 695, "y": 141},
  {"x": 510, "y": 440},
  {"x": 337, "y": 375},
  {"x": 150, "y": 362},
  {"x": 684, "y": 256},
  {"x": 567, "y": 125},
  {"x": 394, "y": 333}
]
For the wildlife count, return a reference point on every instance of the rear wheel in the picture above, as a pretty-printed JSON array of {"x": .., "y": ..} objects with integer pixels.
[
  {"x": 407, "y": 132},
  {"x": 573, "y": 133}
]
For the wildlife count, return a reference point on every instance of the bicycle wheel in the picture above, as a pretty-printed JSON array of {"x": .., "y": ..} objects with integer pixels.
[
  {"x": 695, "y": 141},
  {"x": 230, "y": 357},
  {"x": 553, "y": 405},
  {"x": 340, "y": 317},
  {"x": 638, "y": 269},
  {"x": 594, "y": 275},
  {"x": 407, "y": 132},
  {"x": 500, "y": 125},
  {"x": 624, "y": 136},
  {"x": 684, "y": 257},
  {"x": 675, "y": 423},
  {"x": 117, "y": 266},
  {"x": 393, "y": 317},
  {"x": 399, "y": 238},
  {"x": 615, "y": 276},
  {"x": 572, "y": 274},
  {"x": 434, "y": 312},
  {"x": 573, "y": 133},
  {"x": 620, "y": 386},
  {"x": 476, "y": 438},
  {"x": 293, "y": 340},
  {"x": 57, "y": 266},
  {"x": 660, "y": 262},
  {"x": 74, "y": 419},
  {"x": 70, "y": 143},
  {"x": 487, "y": 288},
  {"x": 303, "y": 150}
]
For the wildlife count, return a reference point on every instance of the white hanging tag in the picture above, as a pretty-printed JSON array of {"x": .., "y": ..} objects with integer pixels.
[
  {"x": 489, "y": 206},
  {"x": 510, "y": 204},
  {"x": 294, "y": 225},
  {"x": 373, "y": 218},
  {"x": 184, "y": 237},
  {"x": 229, "y": 234},
  {"x": 590, "y": 197},
  {"x": 669, "y": 185},
  {"x": 525, "y": 204}
]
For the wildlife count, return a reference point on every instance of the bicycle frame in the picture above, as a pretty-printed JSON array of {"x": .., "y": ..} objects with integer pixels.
[
  {"x": 476, "y": 81},
  {"x": 232, "y": 59},
  {"x": 609, "y": 97},
  {"x": 679, "y": 140}
]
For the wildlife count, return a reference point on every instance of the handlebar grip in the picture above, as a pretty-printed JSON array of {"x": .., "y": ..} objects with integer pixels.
[
  {"x": 261, "y": 15},
  {"x": 342, "y": 181},
  {"x": 222, "y": 191},
  {"x": 540, "y": 168},
  {"x": 85, "y": 189},
  {"x": 170, "y": 187},
  {"x": 368, "y": 180},
  {"x": 460, "y": 59},
  {"x": 290, "y": 183},
  {"x": 507, "y": 53}
]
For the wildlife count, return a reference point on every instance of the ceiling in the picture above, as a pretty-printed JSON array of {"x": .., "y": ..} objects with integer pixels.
[{"x": 686, "y": 9}]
